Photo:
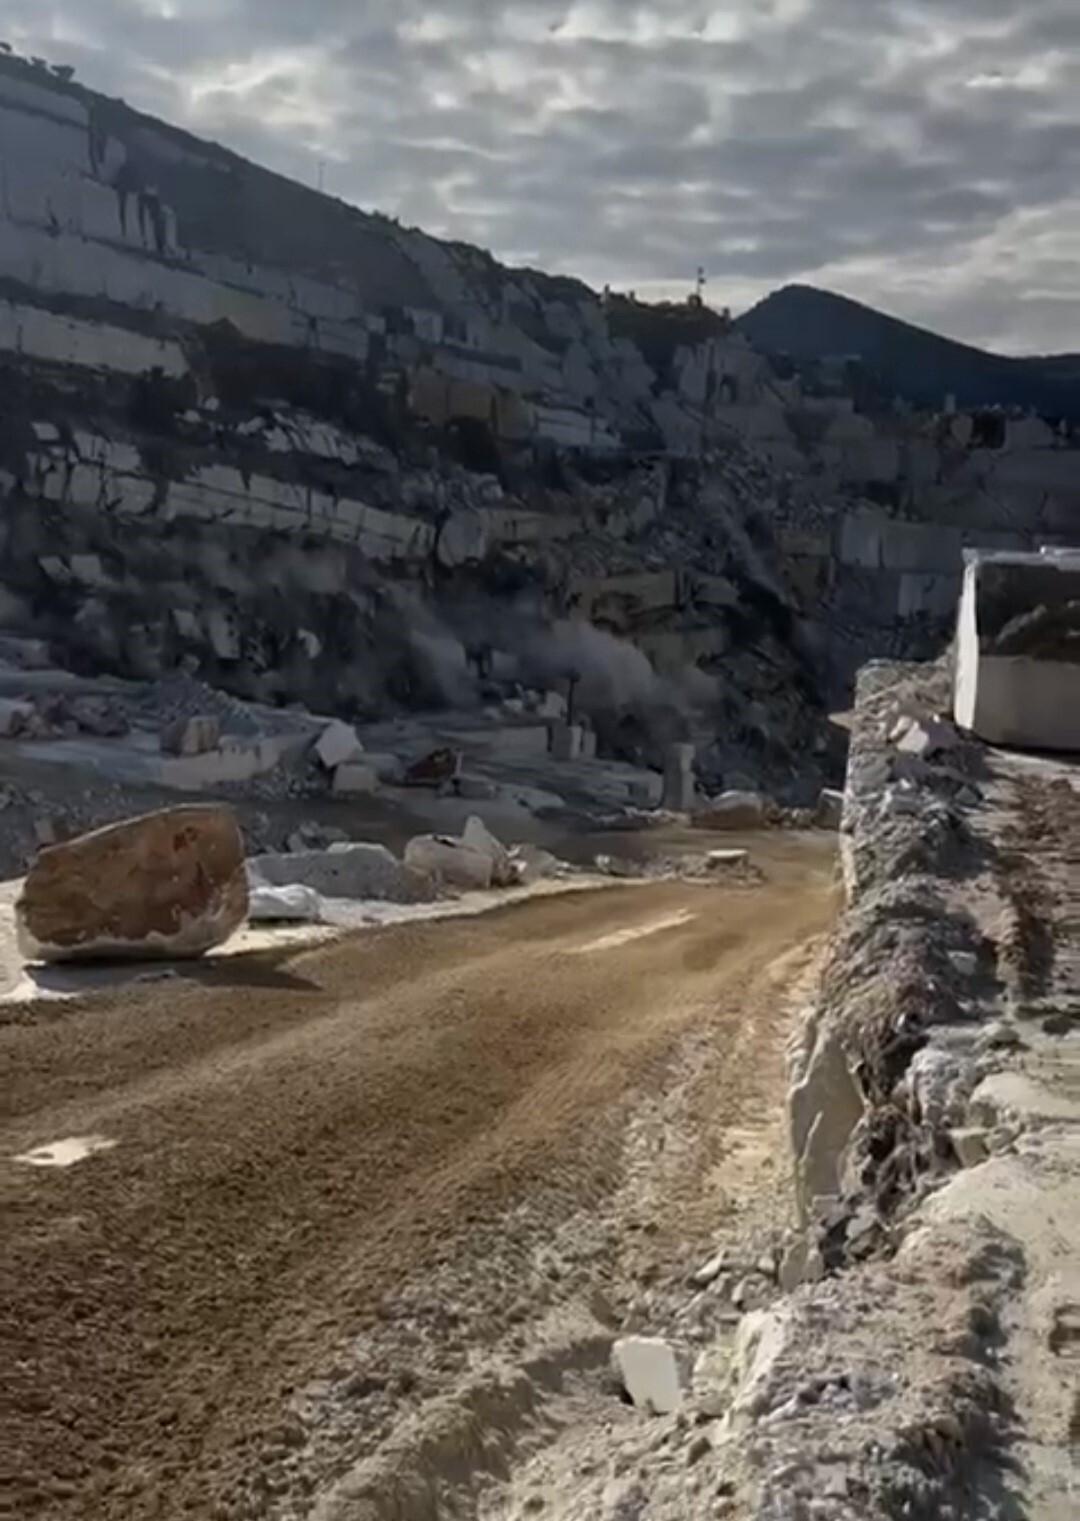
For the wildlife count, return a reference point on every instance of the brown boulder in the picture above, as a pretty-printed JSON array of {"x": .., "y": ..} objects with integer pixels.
[
  {"x": 169, "y": 884},
  {"x": 434, "y": 770}
]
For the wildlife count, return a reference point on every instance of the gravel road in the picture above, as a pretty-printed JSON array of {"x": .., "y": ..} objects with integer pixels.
[{"x": 297, "y": 1150}]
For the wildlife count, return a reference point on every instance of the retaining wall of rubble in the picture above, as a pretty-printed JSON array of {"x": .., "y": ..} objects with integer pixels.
[{"x": 921, "y": 1363}]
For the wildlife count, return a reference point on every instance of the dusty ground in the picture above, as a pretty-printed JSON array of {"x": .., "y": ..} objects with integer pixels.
[{"x": 344, "y": 1181}]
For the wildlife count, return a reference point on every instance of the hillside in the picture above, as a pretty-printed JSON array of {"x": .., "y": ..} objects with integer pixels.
[{"x": 909, "y": 361}]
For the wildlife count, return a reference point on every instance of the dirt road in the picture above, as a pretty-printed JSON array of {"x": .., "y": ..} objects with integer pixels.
[{"x": 303, "y": 1153}]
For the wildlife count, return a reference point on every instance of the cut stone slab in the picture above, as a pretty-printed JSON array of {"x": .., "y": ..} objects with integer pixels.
[
  {"x": 191, "y": 736},
  {"x": 566, "y": 741},
  {"x": 355, "y": 779},
  {"x": 337, "y": 745},
  {"x": 718, "y": 860},
  {"x": 477, "y": 836},
  {"x": 649, "y": 1371},
  {"x": 168, "y": 884},
  {"x": 1016, "y": 1095},
  {"x": 344, "y": 871},
  {"x": 733, "y": 810},
  {"x": 294, "y": 903},
  {"x": 449, "y": 861},
  {"x": 830, "y": 808},
  {"x": 1018, "y": 650},
  {"x": 680, "y": 788}
]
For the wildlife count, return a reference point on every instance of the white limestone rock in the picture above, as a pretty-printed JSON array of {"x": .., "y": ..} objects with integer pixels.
[
  {"x": 292, "y": 904},
  {"x": 464, "y": 539},
  {"x": 929, "y": 738},
  {"x": 650, "y": 1373},
  {"x": 337, "y": 745},
  {"x": 534, "y": 864},
  {"x": 566, "y": 741},
  {"x": 722, "y": 860},
  {"x": 760, "y": 1342},
  {"x": 824, "y": 1107},
  {"x": 344, "y": 871},
  {"x": 191, "y": 736},
  {"x": 450, "y": 862},
  {"x": 477, "y": 836},
  {"x": 355, "y": 779},
  {"x": 971, "y": 1145}
]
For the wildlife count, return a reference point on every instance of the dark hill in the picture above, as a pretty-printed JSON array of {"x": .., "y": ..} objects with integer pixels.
[{"x": 809, "y": 325}]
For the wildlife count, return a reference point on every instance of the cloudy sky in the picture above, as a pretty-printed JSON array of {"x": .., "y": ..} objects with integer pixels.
[{"x": 922, "y": 155}]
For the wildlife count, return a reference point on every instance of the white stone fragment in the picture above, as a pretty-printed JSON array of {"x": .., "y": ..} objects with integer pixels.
[
  {"x": 355, "y": 779},
  {"x": 337, "y": 745},
  {"x": 477, "y": 836},
  {"x": 718, "y": 859},
  {"x": 710, "y": 1272},
  {"x": 928, "y": 738},
  {"x": 971, "y": 1146},
  {"x": 191, "y": 736},
  {"x": 830, "y": 808},
  {"x": 649, "y": 1370},
  {"x": 449, "y": 861},
  {"x": 294, "y": 902},
  {"x": 65, "y": 1153}
]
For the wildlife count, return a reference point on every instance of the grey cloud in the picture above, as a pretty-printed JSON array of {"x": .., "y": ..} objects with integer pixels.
[{"x": 898, "y": 149}]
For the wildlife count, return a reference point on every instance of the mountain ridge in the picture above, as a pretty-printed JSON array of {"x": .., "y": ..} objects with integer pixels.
[{"x": 806, "y": 325}]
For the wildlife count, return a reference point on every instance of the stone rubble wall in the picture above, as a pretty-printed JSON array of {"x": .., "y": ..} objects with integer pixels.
[{"x": 921, "y": 1363}]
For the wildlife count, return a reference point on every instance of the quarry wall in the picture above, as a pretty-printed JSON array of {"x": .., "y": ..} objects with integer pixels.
[{"x": 129, "y": 249}]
